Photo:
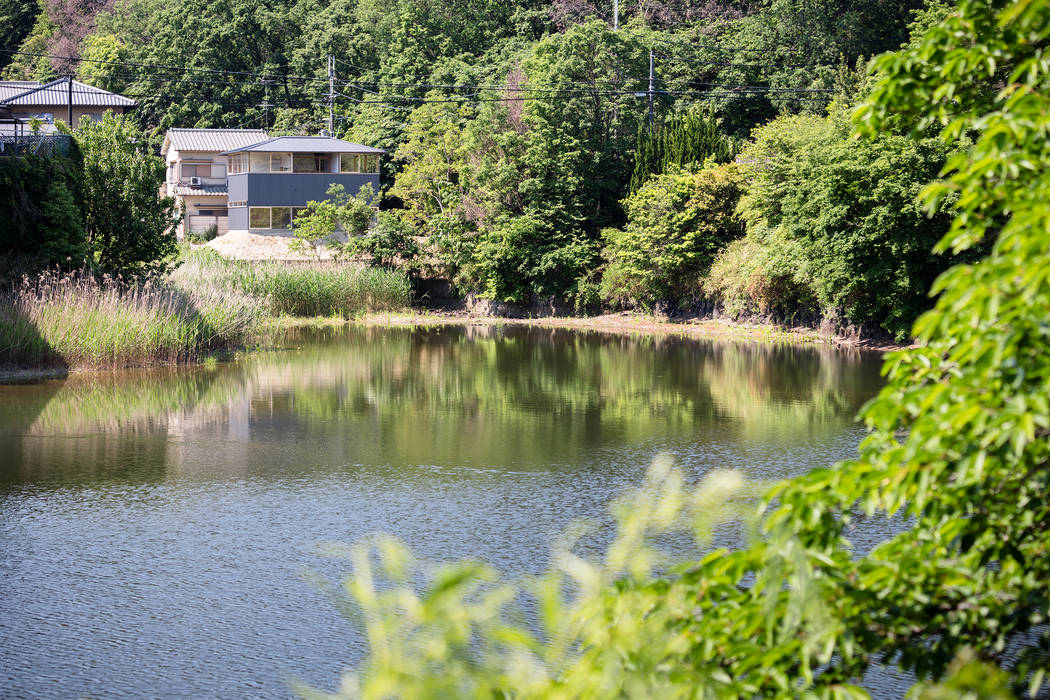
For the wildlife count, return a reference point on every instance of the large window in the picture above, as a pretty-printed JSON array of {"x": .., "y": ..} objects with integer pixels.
[
  {"x": 259, "y": 162},
  {"x": 280, "y": 162},
  {"x": 238, "y": 163},
  {"x": 348, "y": 163},
  {"x": 281, "y": 217},
  {"x": 271, "y": 217},
  {"x": 304, "y": 163},
  {"x": 310, "y": 163},
  {"x": 358, "y": 163},
  {"x": 259, "y": 217}
]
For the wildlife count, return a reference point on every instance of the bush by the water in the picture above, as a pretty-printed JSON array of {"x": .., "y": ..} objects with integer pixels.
[
  {"x": 80, "y": 321},
  {"x": 676, "y": 222},
  {"x": 299, "y": 289},
  {"x": 833, "y": 223}
]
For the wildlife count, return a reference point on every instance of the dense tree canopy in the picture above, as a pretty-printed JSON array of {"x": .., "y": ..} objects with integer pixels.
[{"x": 847, "y": 211}]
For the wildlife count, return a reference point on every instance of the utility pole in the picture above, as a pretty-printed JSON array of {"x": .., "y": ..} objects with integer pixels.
[
  {"x": 331, "y": 95},
  {"x": 69, "y": 101},
  {"x": 266, "y": 103},
  {"x": 616, "y": 15},
  {"x": 652, "y": 81}
]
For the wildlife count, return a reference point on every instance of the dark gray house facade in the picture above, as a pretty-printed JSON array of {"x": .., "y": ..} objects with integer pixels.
[{"x": 268, "y": 182}]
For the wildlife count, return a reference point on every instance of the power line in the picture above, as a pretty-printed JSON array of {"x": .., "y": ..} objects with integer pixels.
[
  {"x": 742, "y": 65},
  {"x": 161, "y": 67}
]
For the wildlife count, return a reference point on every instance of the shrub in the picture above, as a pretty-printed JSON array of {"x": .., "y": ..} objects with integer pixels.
[
  {"x": 675, "y": 224},
  {"x": 389, "y": 242},
  {"x": 761, "y": 276},
  {"x": 848, "y": 210},
  {"x": 208, "y": 234}
]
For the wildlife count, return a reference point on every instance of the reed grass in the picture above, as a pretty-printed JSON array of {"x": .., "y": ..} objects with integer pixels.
[
  {"x": 299, "y": 288},
  {"x": 208, "y": 304},
  {"x": 79, "y": 321}
]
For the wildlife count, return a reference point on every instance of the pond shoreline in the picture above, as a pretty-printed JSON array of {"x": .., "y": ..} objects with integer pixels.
[
  {"x": 630, "y": 323},
  {"x": 625, "y": 323}
]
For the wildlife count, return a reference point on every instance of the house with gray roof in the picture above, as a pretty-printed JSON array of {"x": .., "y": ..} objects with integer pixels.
[
  {"x": 64, "y": 99},
  {"x": 244, "y": 180}
]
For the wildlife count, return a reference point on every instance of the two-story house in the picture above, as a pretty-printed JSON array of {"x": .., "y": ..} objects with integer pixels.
[
  {"x": 196, "y": 173},
  {"x": 269, "y": 181},
  {"x": 64, "y": 99},
  {"x": 242, "y": 180}
]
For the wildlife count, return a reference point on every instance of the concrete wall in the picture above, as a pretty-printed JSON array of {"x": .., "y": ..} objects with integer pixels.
[{"x": 290, "y": 189}]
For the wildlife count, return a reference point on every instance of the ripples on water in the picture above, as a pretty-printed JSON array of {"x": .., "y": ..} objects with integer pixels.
[{"x": 154, "y": 526}]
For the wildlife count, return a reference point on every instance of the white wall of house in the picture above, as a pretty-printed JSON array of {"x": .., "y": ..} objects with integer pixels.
[{"x": 210, "y": 168}]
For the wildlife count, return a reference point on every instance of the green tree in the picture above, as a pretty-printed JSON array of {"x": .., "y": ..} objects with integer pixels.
[
  {"x": 130, "y": 229},
  {"x": 682, "y": 140},
  {"x": 560, "y": 165},
  {"x": 31, "y": 63},
  {"x": 431, "y": 185},
  {"x": 43, "y": 225},
  {"x": 862, "y": 242},
  {"x": 316, "y": 226},
  {"x": 388, "y": 243},
  {"x": 16, "y": 21},
  {"x": 675, "y": 224}
]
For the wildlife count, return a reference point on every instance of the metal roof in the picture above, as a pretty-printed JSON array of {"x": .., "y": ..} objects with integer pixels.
[
  {"x": 10, "y": 88},
  {"x": 202, "y": 191},
  {"x": 306, "y": 144},
  {"x": 56, "y": 94},
  {"x": 211, "y": 140}
]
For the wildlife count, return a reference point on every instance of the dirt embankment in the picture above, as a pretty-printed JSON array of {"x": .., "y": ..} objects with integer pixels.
[{"x": 637, "y": 324}]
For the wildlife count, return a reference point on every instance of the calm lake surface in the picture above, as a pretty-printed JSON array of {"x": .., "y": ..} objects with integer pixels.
[{"x": 155, "y": 526}]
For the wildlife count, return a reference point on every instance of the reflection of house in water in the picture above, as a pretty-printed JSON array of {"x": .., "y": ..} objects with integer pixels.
[{"x": 476, "y": 396}]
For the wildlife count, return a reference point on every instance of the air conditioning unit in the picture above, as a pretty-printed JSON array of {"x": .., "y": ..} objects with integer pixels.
[{"x": 195, "y": 182}]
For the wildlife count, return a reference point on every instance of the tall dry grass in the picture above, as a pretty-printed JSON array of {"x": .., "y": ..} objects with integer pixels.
[
  {"x": 208, "y": 304},
  {"x": 79, "y": 321},
  {"x": 299, "y": 288}
]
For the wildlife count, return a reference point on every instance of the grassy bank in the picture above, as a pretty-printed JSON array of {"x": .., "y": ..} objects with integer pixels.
[{"x": 209, "y": 305}]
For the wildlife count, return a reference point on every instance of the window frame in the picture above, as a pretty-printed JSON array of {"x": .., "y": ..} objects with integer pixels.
[
  {"x": 269, "y": 218},
  {"x": 273, "y": 224}
]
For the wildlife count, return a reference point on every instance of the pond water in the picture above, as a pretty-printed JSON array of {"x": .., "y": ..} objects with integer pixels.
[{"x": 155, "y": 526}]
